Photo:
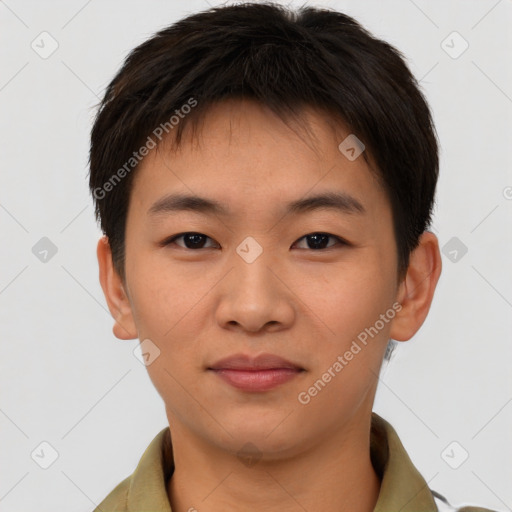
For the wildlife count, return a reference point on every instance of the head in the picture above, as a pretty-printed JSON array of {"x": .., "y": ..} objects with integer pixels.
[{"x": 259, "y": 109}]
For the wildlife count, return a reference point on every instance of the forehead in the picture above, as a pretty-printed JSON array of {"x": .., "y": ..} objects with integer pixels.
[{"x": 245, "y": 156}]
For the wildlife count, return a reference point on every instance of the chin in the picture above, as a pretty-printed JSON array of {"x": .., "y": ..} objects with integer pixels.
[{"x": 271, "y": 439}]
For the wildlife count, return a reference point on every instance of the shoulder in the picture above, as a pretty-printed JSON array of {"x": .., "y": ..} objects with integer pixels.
[
  {"x": 444, "y": 506},
  {"x": 475, "y": 509},
  {"x": 117, "y": 499},
  {"x": 145, "y": 488}
]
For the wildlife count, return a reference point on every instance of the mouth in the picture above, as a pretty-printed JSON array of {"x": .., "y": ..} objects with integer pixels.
[{"x": 256, "y": 374}]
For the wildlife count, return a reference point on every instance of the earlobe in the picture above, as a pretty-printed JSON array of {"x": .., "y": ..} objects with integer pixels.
[
  {"x": 416, "y": 291},
  {"x": 118, "y": 303}
]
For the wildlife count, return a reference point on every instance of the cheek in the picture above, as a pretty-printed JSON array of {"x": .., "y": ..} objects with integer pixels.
[
  {"x": 170, "y": 309},
  {"x": 152, "y": 304},
  {"x": 349, "y": 298},
  {"x": 161, "y": 293},
  {"x": 351, "y": 307},
  {"x": 168, "y": 316},
  {"x": 349, "y": 360}
]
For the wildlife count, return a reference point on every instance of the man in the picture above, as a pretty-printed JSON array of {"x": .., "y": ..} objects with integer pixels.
[{"x": 265, "y": 182}]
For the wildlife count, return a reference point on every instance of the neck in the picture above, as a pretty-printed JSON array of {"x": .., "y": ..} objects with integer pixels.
[{"x": 321, "y": 478}]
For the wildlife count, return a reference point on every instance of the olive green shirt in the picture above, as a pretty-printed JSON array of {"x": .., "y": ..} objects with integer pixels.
[{"x": 402, "y": 489}]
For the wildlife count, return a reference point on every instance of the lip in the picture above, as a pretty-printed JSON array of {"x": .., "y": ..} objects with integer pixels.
[
  {"x": 260, "y": 373},
  {"x": 248, "y": 363}
]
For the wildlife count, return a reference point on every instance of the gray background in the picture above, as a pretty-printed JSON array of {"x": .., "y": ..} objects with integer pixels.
[{"x": 66, "y": 380}]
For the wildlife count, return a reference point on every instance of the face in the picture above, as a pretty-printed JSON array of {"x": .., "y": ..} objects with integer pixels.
[{"x": 301, "y": 284}]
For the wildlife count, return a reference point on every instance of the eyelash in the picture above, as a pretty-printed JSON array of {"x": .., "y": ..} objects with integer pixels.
[{"x": 171, "y": 240}]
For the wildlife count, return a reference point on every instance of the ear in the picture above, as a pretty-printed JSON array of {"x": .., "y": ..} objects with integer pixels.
[
  {"x": 113, "y": 289},
  {"x": 416, "y": 291}
]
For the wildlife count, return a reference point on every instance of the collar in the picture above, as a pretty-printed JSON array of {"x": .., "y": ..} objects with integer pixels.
[{"x": 402, "y": 486}]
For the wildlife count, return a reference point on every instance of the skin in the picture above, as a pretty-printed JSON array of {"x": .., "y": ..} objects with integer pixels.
[{"x": 304, "y": 304}]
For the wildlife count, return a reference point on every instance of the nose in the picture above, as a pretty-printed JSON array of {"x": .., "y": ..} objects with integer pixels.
[{"x": 254, "y": 295}]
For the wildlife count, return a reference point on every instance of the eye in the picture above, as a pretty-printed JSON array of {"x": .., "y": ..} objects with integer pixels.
[
  {"x": 318, "y": 241},
  {"x": 191, "y": 240}
]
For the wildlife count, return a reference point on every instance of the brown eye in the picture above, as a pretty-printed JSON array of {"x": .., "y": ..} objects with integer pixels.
[
  {"x": 190, "y": 240},
  {"x": 319, "y": 241}
]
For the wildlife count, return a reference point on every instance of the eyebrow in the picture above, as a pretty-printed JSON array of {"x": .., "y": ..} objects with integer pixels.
[{"x": 337, "y": 201}]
